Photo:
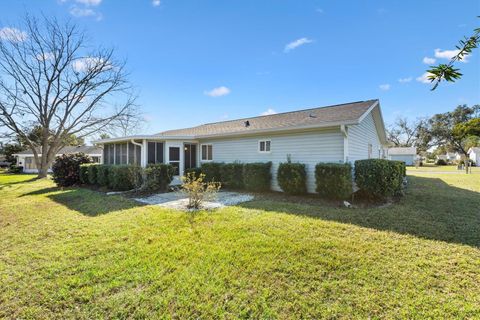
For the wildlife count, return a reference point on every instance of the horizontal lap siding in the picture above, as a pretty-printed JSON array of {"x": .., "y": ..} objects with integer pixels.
[
  {"x": 408, "y": 159},
  {"x": 359, "y": 136},
  {"x": 308, "y": 148}
]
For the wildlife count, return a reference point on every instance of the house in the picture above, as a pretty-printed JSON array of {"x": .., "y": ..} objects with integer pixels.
[
  {"x": 451, "y": 156},
  {"x": 339, "y": 133},
  {"x": 474, "y": 155},
  {"x": 27, "y": 160},
  {"x": 407, "y": 155}
]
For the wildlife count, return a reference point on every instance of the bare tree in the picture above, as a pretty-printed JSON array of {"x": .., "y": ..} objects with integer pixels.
[
  {"x": 50, "y": 76},
  {"x": 405, "y": 133}
]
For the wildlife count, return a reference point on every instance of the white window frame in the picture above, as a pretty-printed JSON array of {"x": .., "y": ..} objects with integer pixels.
[
  {"x": 201, "y": 152},
  {"x": 265, "y": 141}
]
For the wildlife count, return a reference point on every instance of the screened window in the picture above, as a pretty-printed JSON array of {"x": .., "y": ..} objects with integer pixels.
[
  {"x": 155, "y": 152},
  {"x": 123, "y": 153},
  {"x": 207, "y": 152},
  {"x": 174, "y": 158},
  {"x": 106, "y": 153},
  {"x": 131, "y": 153},
  {"x": 264, "y": 146}
]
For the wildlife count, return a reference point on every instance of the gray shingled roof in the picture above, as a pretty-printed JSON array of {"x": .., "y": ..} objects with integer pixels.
[
  {"x": 70, "y": 149},
  {"x": 342, "y": 113}
]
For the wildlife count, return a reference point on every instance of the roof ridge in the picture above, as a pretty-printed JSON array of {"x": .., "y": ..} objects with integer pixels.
[{"x": 270, "y": 115}]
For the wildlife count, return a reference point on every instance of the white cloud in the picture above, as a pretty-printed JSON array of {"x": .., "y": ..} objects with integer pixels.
[
  {"x": 424, "y": 78},
  {"x": 268, "y": 112},
  {"x": 84, "y": 64},
  {"x": 297, "y": 43},
  {"x": 217, "y": 92},
  {"x": 448, "y": 54},
  {"x": 155, "y": 3},
  {"x": 89, "y": 2},
  {"x": 405, "y": 80},
  {"x": 428, "y": 60},
  {"x": 384, "y": 87},
  {"x": 85, "y": 12},
  {"x": 12, "y": 34}
]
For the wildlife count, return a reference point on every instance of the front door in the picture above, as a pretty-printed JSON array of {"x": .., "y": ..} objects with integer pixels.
[{"x": 190, "y": 156}]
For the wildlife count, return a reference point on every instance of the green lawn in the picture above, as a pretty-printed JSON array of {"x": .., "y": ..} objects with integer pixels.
[
  {"x": 76, "y": 253},
  {"x": 435, "y": 168}
]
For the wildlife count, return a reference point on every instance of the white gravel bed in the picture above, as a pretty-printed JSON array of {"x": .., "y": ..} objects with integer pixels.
[{"x": 178, "y": 200}]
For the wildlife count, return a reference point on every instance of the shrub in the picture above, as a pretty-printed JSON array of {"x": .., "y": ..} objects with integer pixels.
[
  {"x": 84, "y": 173},
  {"x": 379, "y": 178},
  {"x": 257, "y": 176},
  {"x": 15, "y": 169},
  {"x": 103, "y": 171},
  {"x": 158, "y": 176},
  {"x": 232, "y": 175},
  {"x": 441, "y": 162},
  {"x": 119, "y": 178},
  {"x": 334, "y": 180},
  {"x": 66, "y": 169},
  {"x": 212, "y": 171},
  {"x": 292, "y": 177},
  {"x": 92, "y": 173},
  {"x": 196, "y": 171},
  {"x": 135, "y": 173},
  {"x": 197, "y": 190}
]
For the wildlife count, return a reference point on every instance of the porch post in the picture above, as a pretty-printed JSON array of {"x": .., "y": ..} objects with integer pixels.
[{"x": 144, "y": 153}]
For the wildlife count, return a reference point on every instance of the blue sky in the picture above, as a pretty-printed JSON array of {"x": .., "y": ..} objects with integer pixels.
[{"x": 204, "y": 61}]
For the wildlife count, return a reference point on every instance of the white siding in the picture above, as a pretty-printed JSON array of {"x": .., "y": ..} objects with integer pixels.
[
  {"x": 408, "y": 159},
  {"x": 360, "y": 136},
  {"x": 309, "y": 148}
]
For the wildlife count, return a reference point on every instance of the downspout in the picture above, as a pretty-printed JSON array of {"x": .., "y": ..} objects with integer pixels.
[
  {"x": 344, "y": 130},
  {"x": 137, "y": 144}
]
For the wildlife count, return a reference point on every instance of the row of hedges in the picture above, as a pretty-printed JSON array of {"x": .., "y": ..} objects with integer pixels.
[
  {"x": 77, "y": 169},
  {"x": 380, "y": 179}
]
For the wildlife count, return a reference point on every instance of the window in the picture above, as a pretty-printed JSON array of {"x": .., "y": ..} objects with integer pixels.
[
  {"x": 207, "y": 154},
  {"x": 369, "y": 151},
  {"x": 174, "y": 158},
  {"x": 155, "y": 152},
  {"x": 264, "y": 145},
  {"x": 106, "y": 154}
]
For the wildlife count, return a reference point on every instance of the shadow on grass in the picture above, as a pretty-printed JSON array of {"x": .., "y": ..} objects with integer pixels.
[
  {"x": 431, "y": 209},
  {"x": 87, "y": 202},
  {"x": 8, "y": 184}
]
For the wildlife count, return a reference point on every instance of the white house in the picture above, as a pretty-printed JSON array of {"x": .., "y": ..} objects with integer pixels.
[
  {"x": 474, "y": 155},
  {"x": 27, "y": 160},
  {"x": 338, "y": 133},
  {"x": 406, "y": 154}
]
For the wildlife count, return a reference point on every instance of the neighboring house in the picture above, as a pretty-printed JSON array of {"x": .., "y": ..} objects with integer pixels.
[
  {"x": 27, "y": 160},
  {"x": 474, "y": 155},
  {"x": 451, "y": 156},
  {"x": 442, "y": 157},
  {"x": 338, "y": 134},
  {"x": 407, "y": 155}
]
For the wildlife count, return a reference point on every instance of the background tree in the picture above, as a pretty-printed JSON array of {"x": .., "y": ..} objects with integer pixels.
[
  {"x": 9, "y": 150},
  {"x": 447, "y": 71},
  {"x": 36, "y": 135},
  {"x": 52, "y": 77},
  {"x": 405, "y": 133}
]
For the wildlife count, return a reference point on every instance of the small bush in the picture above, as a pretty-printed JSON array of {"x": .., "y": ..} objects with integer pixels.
[
  {"x": 92, "y": 173},
  {"x": 196, "y": 171},
  {"x": 441, "y": 162},
  {"x": 103, "y": 171},
  {"x": 197, "y": 190},
  {"x": 158, "y": 177},
  {"x": 292, "y": 177},
  {"x": 212, "y": 171},
  {"x": 257, "y": 176},
  {"x": 15, "y": 169},
  {"x": 119, "y": 178},
  {"x": 135, "y": 173},
  {"x": 232, "y": 175},
  {"x": 334, "y": 180},
  {"x": 66, "y": 169},
  {"x": 378, "y": 178},
  {"x": 84, "y": 173}
]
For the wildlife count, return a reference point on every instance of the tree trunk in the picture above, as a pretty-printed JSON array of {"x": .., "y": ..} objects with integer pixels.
[{"x": 42, "y": 171}]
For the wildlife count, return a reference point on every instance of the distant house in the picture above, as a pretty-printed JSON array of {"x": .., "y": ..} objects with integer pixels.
[
  {"x": 336, "y": 134},
  {"x": 26, "y": 158},
  {"x": 442, "y": 157},
  {"x": 406, "y": 154},
  {"x": 451, "y": 156},
  {"x": 474, "y": 155}
]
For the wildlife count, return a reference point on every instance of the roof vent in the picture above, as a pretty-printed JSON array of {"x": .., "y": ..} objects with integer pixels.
[
  {"x": 311, "y": 115},
  {"x": 247, "y": 123}
]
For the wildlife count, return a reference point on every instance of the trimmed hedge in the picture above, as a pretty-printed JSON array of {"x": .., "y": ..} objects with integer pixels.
[
  {"x": 15, "y": 169},
  {"x": 292, "y": 177},
  {"x": 83, "y": 173},
  {"x": 212, "y": 171},
  {"x": 333, "y": 180},
  {"x": 103, "y": 171},
  {"x": 119, "y": 178},
  {"x": 379, "y": 178},
  {"x": 257, "y": 176},
  {"x": 66, "y": 169},
  {"x": 232, "y": 175},
  {"x": 92, "y": 173},
  {"x": 196, "y": 171},
  {"x": 158, "y": 176},
  {"x": 441, "y": 162}
]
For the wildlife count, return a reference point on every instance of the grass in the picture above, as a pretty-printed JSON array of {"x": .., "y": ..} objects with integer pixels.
[
  {"x": 76, "y": 253},
  {"x": 435, "y": 168}
]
